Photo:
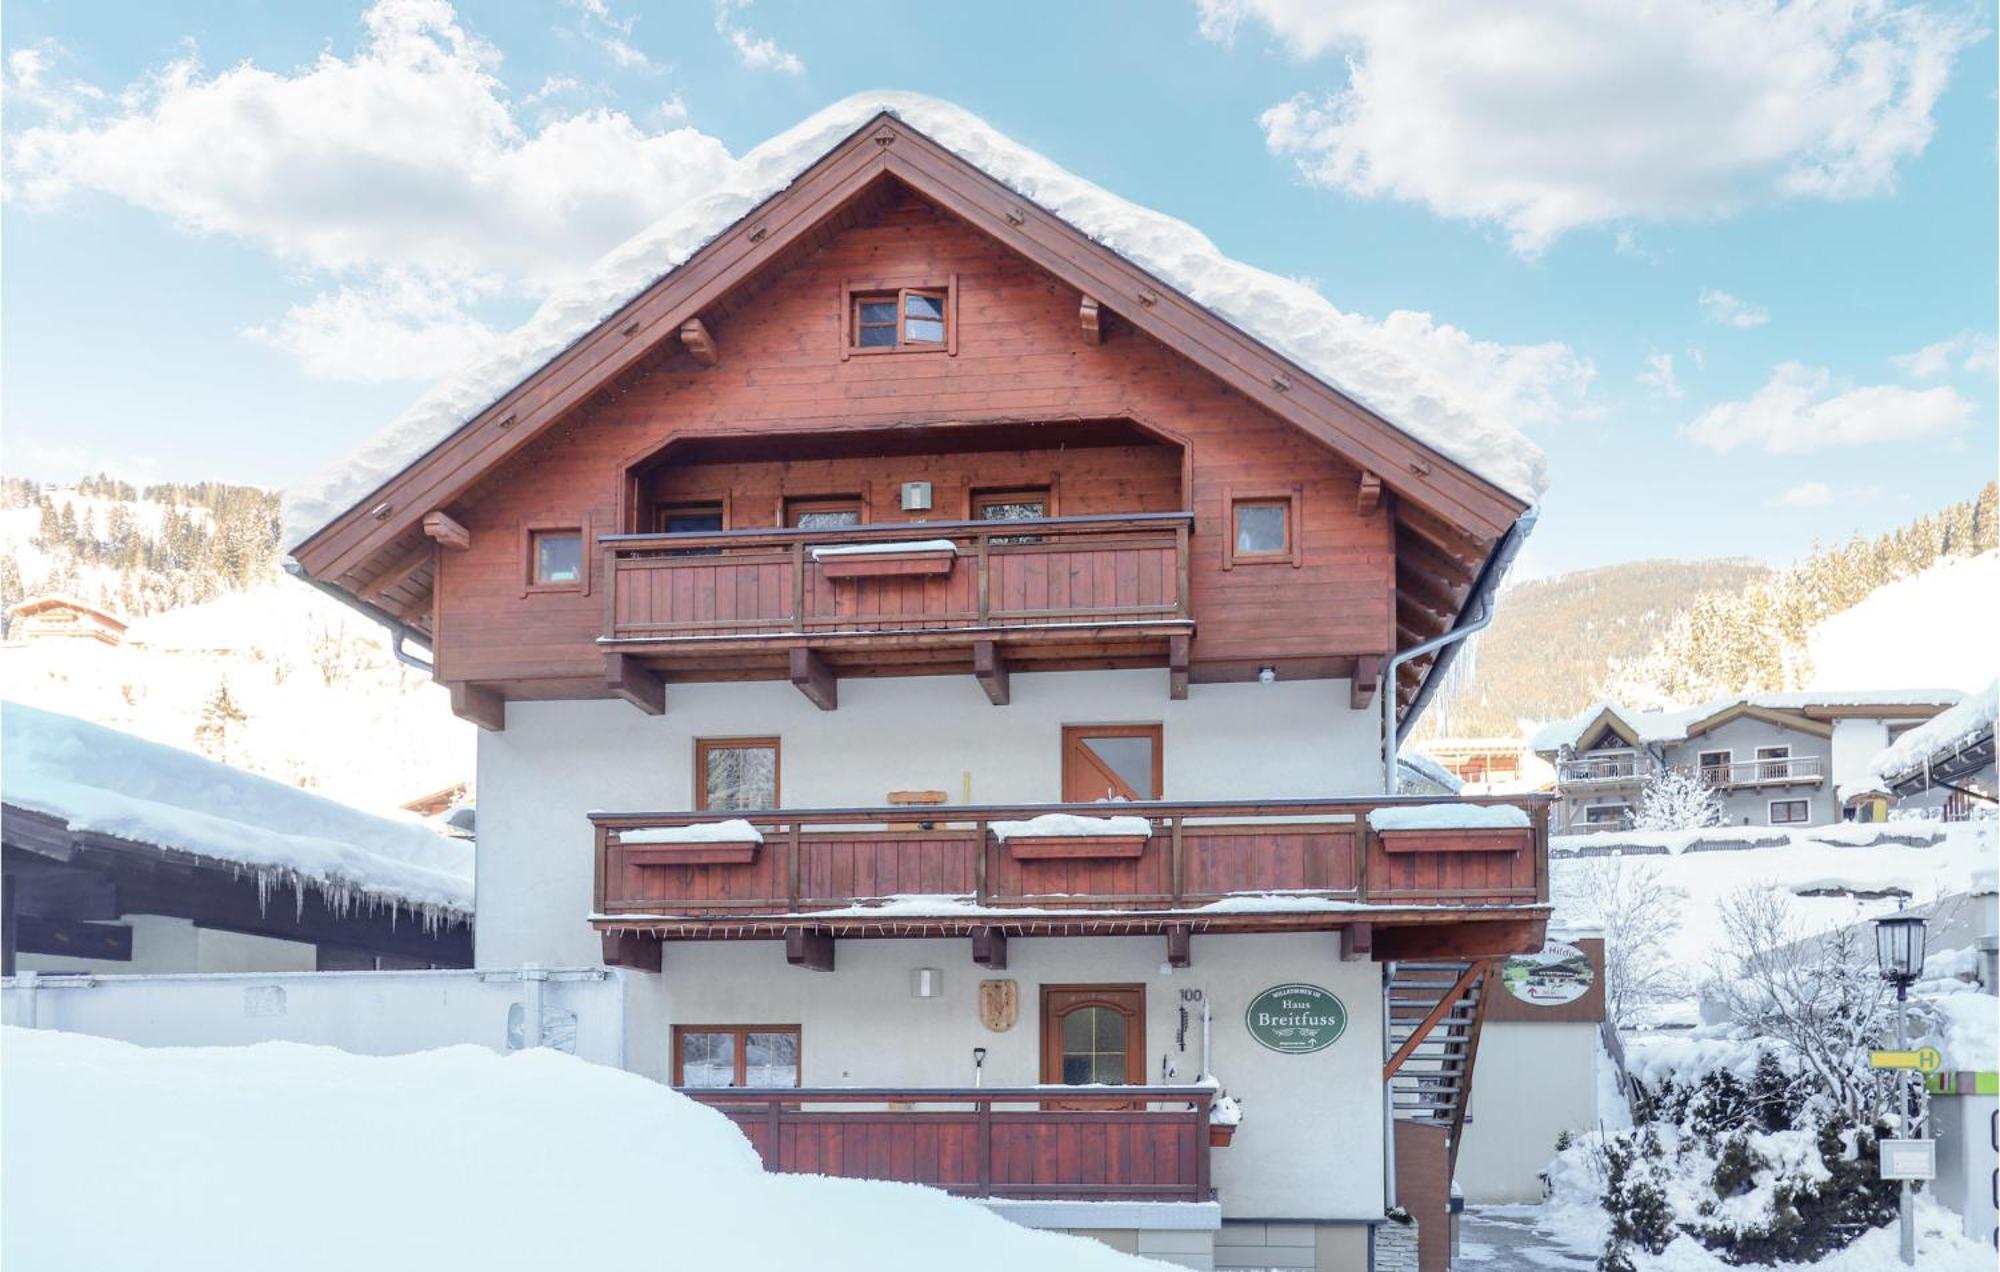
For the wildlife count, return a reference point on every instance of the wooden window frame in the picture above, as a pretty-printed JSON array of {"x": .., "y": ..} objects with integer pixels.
[
  {"x": 1771, "y": 812},
  {"x": 661, "y": 507},
  {"x": 853, "y": 291},
  {"x": 530, "y": 530},
  {"x": 702, "y": 746},
  {"x": 742, "y": 1033},
  {"x": 1072, "y": 735},
  {"x": 1136, "y": 1055},
  {"x": 1728, "y": 765},
  {"x": 977, "y": 497},
  {"x": 1624, "y": 809},
  {"x": 787, "y": 504},
  {"x": 1292, "y": 501}
]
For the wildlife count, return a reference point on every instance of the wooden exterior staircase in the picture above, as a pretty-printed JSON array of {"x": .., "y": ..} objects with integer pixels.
[{"x": 1435, "y": 1010}]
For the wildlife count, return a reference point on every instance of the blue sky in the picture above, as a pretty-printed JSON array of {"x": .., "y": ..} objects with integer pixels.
[{"x": 205, "y": 277}]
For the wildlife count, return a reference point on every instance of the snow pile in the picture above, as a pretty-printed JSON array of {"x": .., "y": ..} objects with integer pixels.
[
  {"x": 1380, "y": 364},
  {"x": 100, "y": 780},
  {"x": 733, "y": 831},
  {"x": 1941, "y": 621},
  {"x": 1071, "y": 826},
  {"x": 1940, "y": 737},
  {"x": 1449, "y": 817},
  {"x": 1613, "y": 843},
  {"x": 869, "y": 549},
  {"x": 218, "y": 1159}
]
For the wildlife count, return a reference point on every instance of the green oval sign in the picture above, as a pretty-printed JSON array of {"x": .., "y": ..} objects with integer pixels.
[{"x": 1296, "y": 1019}]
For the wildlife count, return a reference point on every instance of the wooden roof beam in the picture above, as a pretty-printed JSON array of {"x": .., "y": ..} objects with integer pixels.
[
  {"x": 989, "y": 667},
  {"x": 1092, "y": 318},
  {"x": 399, "y": 572},
  {"x": 698, "y": 342},
  {"x": 1369, "y": 497},
  {"x": 1454, "y": 543},
  {"x": 481, "y": 704},
  {"x": 638, "y": 684},
  {"x": 815, "y": 679},
  {"x": 449, "y": 534}
]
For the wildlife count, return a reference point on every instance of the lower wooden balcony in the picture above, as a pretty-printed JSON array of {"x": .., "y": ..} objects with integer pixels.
[
  {"x": 901, "y": 599},
  {"x": 1198, "y": 867},
  {"x": 988, "y": 1142}
]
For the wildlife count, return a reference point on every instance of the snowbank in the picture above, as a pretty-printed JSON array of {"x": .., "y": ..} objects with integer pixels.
[
  {"x": 1941, "y": 621},
  {"x": 1939, "y": 737},
  {"x": 1375, "y": 363},
  {"x": 869, "y": 549},
  {"x": 733, "y": 831},
  {"x": 217, "y": 1159},
  {"x": 97, "y": 779},
  {"x": 1069, "y": 825},
  {"x": 1449, "y": 817}
]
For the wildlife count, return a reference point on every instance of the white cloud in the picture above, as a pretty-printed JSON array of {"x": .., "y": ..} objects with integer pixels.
[
  {"x": 1551, "y": 115},
  {"x": 1725, "y": 310},
  {"x": 401, "y": 327},
  {"x": 754, "y": 51},
  {"x": 1969, "y": 351},
  {"x": 31, "y": 85},
  {"x": 1811, "y": 494},
  {"x": 406, "y": 161},
  {"x": 1659, "y": 374},
  {"x": 1797, "y": 410}
]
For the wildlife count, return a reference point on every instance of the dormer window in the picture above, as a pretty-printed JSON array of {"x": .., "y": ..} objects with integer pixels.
[{"x": 899, "y": 319}]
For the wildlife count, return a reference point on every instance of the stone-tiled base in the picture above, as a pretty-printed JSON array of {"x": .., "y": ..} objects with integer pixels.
[
  {"x": 1178, "y": 1234},
  {"x": 1311, "y": 1247},
  {"x": 1396, "y": 1247}
]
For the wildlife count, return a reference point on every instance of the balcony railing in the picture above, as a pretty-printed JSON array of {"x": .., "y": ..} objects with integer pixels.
[
  {"x": 1059, "y": 574},
  {"x": 1100, "y": 1145},
  {"x": 1797, "y": 768},
  {"x": 1195, "y": 855},
  {"x": 1609, "y": 768}
]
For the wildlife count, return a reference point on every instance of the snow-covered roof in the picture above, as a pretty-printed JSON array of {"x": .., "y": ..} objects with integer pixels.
[
  {"x": 1358, "y": 357},
  {"x": 111, "y": 783},
  {"x": 1416, "y": 768},
  {"x": 1938, "y": 738},
  {"x": 1673, "y": 726},
  {"x": 36, "y": 604}
]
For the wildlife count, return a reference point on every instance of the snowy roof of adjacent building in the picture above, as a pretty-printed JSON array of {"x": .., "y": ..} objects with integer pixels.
[
  {"x": 36, "y": 604},
  {"x": 1415, "y": 766},
  {"x": 1677, "y": 725},
  {"x": 113, "y": 784},
  {"x": 1938, "y": 738},
  {"x": 1349, "y": 353}
]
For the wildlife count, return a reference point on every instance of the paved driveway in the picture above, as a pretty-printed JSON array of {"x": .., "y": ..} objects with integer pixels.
[{"x": 1504, "y": 1239}]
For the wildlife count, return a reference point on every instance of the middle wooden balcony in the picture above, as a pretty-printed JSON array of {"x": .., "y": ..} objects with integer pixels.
[{"x": 815, "y": 605}]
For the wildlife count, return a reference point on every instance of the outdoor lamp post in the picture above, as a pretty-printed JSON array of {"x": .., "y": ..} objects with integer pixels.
[{"x": 1899, "y": 955}]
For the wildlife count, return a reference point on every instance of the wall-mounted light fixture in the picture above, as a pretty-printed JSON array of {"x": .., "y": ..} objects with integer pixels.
[{"x": 1267, "y": 675}]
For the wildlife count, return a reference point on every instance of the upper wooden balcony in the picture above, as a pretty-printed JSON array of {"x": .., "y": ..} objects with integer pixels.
[
  {"x": 1202, "y": 867},
  {"x": 1052, "y": 592}
]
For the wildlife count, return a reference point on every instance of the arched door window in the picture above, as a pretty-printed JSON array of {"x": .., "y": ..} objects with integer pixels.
[{"x": 1094, "y": 1034}]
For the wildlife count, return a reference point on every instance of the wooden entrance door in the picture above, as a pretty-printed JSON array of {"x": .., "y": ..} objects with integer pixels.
[
  {"x": 1110, "y": 761},
  {"x": 1094, "y": 1034}
]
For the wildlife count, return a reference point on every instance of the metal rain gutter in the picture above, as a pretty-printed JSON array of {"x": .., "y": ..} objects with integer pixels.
[{"x": 402, "y": 633}]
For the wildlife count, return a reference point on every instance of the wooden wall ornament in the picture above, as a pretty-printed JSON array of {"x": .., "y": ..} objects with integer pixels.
[{"x": 999, "y": 1004}]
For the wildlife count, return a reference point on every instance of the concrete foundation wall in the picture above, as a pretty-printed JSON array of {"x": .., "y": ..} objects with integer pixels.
[
  {"x": 1532, "y": 1083},
  {"x": 163, "y": 944}
]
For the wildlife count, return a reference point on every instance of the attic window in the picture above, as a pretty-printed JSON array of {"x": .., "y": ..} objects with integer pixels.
[
  {"x": 554, "y": 558},
  {"x": 880, "y": 318}
]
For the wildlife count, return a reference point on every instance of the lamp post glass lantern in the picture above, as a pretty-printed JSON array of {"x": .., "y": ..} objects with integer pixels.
[{"x": 1899, "y": 955}]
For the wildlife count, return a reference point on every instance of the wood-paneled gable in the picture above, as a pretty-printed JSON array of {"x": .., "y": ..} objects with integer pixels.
[{"x": 1022, "y": 363}]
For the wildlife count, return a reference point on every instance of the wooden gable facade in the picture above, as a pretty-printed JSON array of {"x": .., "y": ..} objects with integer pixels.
[{"x": 730, "y": 403}]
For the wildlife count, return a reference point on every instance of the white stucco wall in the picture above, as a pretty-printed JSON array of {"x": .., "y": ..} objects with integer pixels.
[
  {"x": 164, "y": 944},
  {"x": 557, "y": 761},
  {"x": 1310, "y": 1146},
  {"x": 1855, "y": 742},
  {"x": 1532, "y": 1082}
]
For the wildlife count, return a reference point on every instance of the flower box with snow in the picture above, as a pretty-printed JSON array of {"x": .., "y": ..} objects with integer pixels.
[
  {"x": 724, "y": 843},
  {"x": 926, "y": 558},
  {"x": 1055, "y": 836},
  {"x": 1224, "y": 1115},
  {"x": 1452, "y": 828}
]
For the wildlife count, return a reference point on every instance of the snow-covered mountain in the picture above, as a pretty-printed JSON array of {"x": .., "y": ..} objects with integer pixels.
[{"x": 1933, "y": 628}]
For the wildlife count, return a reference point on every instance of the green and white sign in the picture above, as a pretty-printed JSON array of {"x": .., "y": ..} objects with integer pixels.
[
  {"x": 1296, "y": 1019},
  {"x": 1558, "y": 974}
]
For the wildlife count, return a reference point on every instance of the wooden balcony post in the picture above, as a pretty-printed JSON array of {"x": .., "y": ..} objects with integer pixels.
[
  {"x": 799, "y": 586},
  {"x": 979, "y": 848},
  {"x": 610, "y": 591},
  {"x": 1201, "y": 1149},
  {"x": 1182, "y": 606},
  {"x": 792, "y": 868},
  {"x": 1364, "y": 848},
  {"x": 774, "y": 1157},
  {"x": 985, "y": 581},
  {"x": 597, "y": 881},
  {"x": 1540, "y": 847},
  {"x": 1177, "y": 864},
  {"x": 985, "y": 1148}
]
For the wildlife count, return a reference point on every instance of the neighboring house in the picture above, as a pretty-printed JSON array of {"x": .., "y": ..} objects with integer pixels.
[
  {"x": 1777, "y": 759},
  {"x": 1942, "y": 768},
  {"x": 814, "y": 596},
  {"x": 1492, "y": 765},
  {"x": 125, "y": 856},
  {"x": 61, "y": 618}
]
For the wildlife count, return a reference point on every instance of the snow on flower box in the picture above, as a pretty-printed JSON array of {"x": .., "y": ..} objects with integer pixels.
[
  {"x": 1065, "y": 835},
  {"x": 1452, "y": 828},
  {"x": 923, "y": 558},
  {"x": 721, "y": 843}
]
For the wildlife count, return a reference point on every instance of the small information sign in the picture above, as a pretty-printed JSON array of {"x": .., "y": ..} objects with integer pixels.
[
  {"x": 1922, "y": 1059},
  {"x": 1909, "y": 1159}
]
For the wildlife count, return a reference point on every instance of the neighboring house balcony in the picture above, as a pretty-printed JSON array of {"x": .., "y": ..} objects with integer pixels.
[
  {"x": 1046, "y": 593},
  {"x": 1095, "y": 1145},
  {"x": 1605, "y": 770},
  {"x": 1767, "y": 772},
  {"x": 811, "y": 876}
]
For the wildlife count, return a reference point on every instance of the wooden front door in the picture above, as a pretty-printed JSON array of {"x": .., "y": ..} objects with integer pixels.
[
  {"x": 1110, "y": 761},
  {"x": 1094, "y": 1034}
]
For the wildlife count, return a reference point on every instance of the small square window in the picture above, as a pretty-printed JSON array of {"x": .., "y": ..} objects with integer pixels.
[
  {"x": 1261, "y": 528},
  {"x": 736, "y": 773},
  {"x": 703, "y": 518},
  {"x": 557, "y": 558},
  {"x": 1790, "y": 812},
  {"x": 923, "y": 317},
  {"x": 892, "y": 319},
  {"x": 823, "y": 513}
]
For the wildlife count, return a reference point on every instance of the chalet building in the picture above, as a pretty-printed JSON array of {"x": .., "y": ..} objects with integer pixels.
[
  {"x": 60, "y": 618},
  {"x": 1778, "y": 759},
  {"x": 1942, "y": 769},
  {"x": 955, "y": 654}
]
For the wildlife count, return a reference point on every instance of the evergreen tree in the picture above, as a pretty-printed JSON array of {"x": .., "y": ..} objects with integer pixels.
[{"x": 217, "y": 734}]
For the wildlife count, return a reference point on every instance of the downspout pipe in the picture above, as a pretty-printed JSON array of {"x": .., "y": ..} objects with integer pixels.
[
  {"x": 402, "y": 635},
  {"x": 1474, "y": 618}
]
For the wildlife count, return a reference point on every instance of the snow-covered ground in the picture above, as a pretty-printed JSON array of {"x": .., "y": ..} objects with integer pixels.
[
  {"x": 1935, "y": 628},
  {"x": 325, "y": 705},
  {"x": 308, "y": 1158}
]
